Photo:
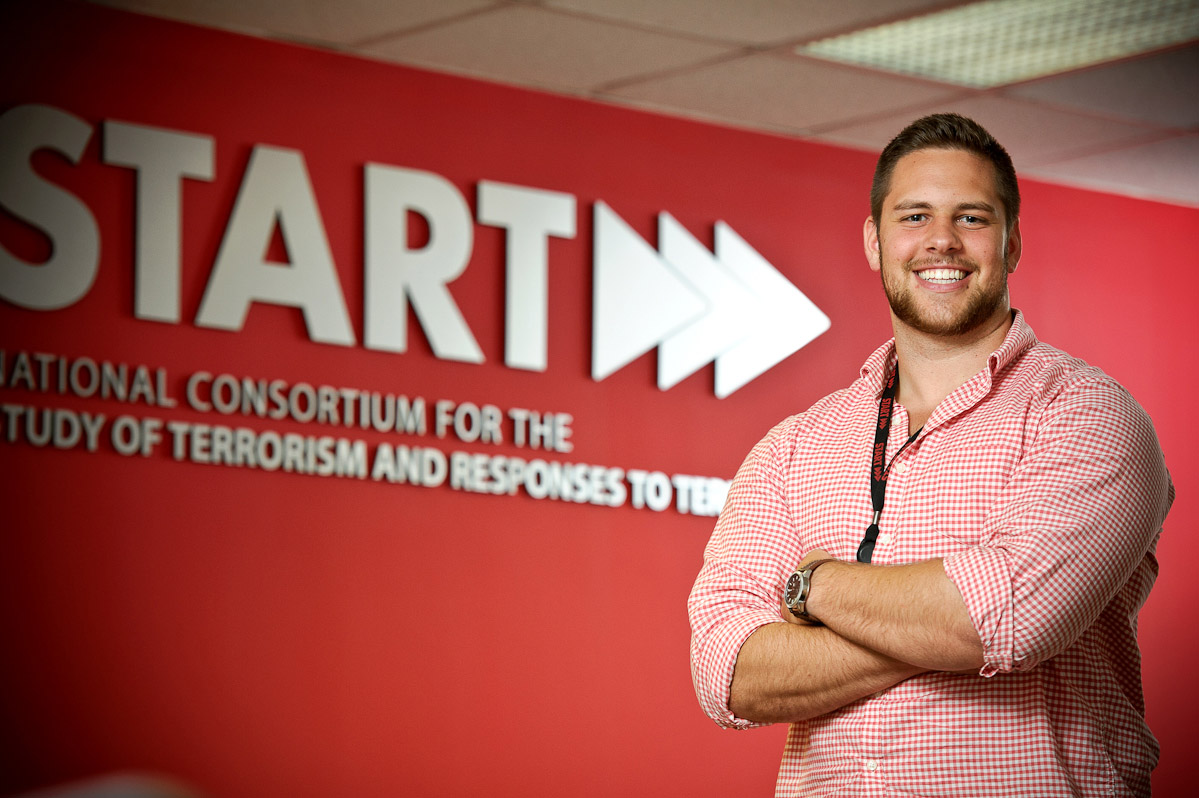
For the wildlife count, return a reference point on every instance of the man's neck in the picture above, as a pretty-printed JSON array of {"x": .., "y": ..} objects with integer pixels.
[{"x": 931, "y": 367}]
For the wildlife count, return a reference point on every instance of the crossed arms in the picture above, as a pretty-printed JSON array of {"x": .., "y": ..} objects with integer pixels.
[
  {"x": 1076, "y": 519},
  {"x": 795, "y": 671}
]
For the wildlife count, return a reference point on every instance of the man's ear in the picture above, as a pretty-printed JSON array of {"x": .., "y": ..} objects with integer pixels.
[
  {"x": 871, "y": 244},
  {"x": 1015, "y": 245}
]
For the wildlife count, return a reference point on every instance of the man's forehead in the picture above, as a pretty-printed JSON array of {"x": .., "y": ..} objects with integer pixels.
[{"x": 924, "y": 175}]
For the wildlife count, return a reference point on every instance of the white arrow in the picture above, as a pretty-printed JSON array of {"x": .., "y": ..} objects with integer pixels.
[
  {"x": 783, "y": 322},
  {"x": 730, "y": 301},
  {"x": 695, "y": 306},
  {"x": 638, "y": 299}
]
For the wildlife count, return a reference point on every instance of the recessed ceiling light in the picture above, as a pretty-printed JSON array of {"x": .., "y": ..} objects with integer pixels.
[{"x": 997, "y": 42}]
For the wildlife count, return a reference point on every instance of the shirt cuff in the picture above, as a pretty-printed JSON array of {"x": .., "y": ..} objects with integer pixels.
[
  {"x": 723, "y": 646},
  {"x": 983, "y": 576}
]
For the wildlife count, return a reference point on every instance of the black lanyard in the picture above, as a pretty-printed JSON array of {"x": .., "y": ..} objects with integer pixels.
[{"x": 879, "y": 468}]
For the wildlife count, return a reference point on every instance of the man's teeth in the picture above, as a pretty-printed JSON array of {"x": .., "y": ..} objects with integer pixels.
[{"x": 942, "y": 275}]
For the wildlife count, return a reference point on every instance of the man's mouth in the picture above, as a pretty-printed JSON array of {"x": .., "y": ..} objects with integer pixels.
[{"x": 942, "y": 276}]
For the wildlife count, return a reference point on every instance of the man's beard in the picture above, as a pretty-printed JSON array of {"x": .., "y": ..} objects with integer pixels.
[{"x": 981, "y": 305}]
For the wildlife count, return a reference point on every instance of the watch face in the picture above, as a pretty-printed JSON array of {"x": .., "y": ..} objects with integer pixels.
[{"x": 791, "y": 592}]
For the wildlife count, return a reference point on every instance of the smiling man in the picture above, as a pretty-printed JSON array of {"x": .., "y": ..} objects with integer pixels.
[{"x": 934, "y": 574}]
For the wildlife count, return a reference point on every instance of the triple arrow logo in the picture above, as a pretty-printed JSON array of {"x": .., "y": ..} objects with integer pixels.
[{"x": 696, "y": 306}]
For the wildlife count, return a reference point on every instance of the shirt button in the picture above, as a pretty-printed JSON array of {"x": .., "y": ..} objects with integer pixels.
[
  {"x": 885, "y": 537},
  {"x": 871, "y": 765},
  {"x": 902, "y": 467}
]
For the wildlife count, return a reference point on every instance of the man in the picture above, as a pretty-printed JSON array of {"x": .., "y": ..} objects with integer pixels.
[{"x": 965, "y": 533}]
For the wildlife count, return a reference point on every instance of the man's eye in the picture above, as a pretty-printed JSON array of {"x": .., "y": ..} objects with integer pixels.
[
  {"x": 915, "y": 217},
  {"x": 973, "y": 219}
]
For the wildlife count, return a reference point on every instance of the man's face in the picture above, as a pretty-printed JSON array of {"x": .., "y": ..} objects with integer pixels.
[{"x": 941, "y": 244}]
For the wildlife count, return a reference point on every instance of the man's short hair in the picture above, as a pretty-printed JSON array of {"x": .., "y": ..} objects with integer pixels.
[{"x": 947, "y": 132}]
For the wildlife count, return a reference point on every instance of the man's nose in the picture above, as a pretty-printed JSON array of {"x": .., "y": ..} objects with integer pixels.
[{"x": 943, "y": 236}]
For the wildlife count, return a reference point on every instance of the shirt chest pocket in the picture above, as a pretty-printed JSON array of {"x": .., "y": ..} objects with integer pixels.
[
  {"x": 964, "y": 475},
  {"x": 829, "y": 496}
]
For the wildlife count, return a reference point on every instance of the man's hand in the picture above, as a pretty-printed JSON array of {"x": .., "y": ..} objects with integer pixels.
[
  {"x": 785, "y": 611},
  {"x": 814, "y": 555}
]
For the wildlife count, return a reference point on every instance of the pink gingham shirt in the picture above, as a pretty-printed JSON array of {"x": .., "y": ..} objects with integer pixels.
[{"x": 1041, "y": 483}]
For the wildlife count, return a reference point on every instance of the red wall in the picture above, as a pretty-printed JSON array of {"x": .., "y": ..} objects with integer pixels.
[{"x": 264, "y": 633}]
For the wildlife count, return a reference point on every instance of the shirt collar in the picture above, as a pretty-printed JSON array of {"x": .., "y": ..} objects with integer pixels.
[
  {"x": 1019, "y": 338},
  {"x": 878, "y": 366}
]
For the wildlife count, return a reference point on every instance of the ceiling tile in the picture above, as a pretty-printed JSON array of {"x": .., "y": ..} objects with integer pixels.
[
  {"x": 788, "y": 93},
  {"x": 1034, "y": 134},
  {"x": 1162, "y": 88},
  {"x": 1165, "y": 170},
  {"x": 343, "y": 22},
  {"x": 545, "y": 48},
  {"x": 1114, "y": 127},
  {"x": 757, "y": 22}
]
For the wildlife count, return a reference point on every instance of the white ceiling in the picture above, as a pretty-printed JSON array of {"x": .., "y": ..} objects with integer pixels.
[{"x": 1129, "y": 127}]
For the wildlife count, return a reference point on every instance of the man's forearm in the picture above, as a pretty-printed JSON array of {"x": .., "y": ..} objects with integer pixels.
[
  {"x": 787, "y": 673},
  {"x": 912, "y": 613}
]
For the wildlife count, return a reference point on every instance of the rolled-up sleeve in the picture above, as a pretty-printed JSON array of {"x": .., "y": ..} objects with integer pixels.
[
  {"x": 739, "y": 586},
  {"x": 1078, "y": 523}
]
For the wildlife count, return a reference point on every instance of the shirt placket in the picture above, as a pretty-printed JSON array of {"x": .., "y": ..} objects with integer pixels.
[
  {"x": 900, "y": 459},
  {"x": 872, "y": 748},
  {"x": 874, "y": 737}
]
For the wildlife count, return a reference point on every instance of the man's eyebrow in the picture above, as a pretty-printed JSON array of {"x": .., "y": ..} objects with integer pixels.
[
  {"x": 911, "y": 205},
  {"x": 977, "y": 205},
  {"x": 921, "y": 205}
]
